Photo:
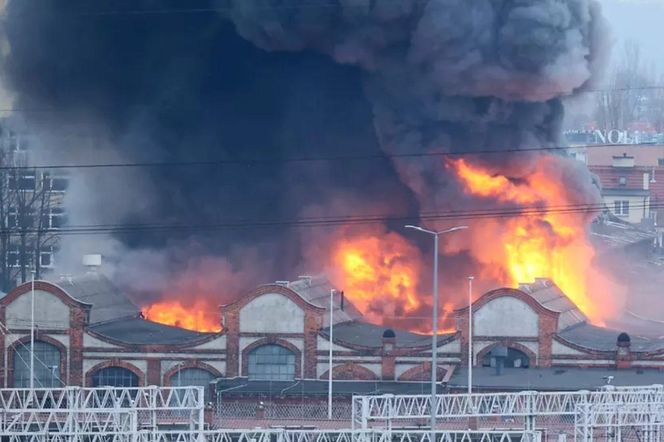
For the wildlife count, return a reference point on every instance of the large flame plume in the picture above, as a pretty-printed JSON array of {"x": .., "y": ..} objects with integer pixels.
[
  {"x": 199, "y": 316},
  {"x": 379, "y": 274},
  {"x": 550, "y": 241}
]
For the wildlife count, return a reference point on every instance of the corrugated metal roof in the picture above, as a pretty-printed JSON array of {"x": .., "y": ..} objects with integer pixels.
[
  {"x": 108, "y": 301},
  {"x": 550, "y": 296},
  {"x": 316, "y": 290}
]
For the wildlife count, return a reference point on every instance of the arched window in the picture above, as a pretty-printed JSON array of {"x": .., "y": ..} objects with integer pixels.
[
  {"x": 47, "y": 367},
  {"x": 196, "y": 377},
  {"x": 512, "y": 359},
  {"x": 114, "y": 377},
  {"x": 272, "y": 362}
]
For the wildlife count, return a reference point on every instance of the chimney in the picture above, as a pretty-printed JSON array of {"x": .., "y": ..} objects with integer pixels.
[
  {"x": 92, "y": 262},
  {"x": 387, "y": 357},
  {"x": 623, "y": 351}
]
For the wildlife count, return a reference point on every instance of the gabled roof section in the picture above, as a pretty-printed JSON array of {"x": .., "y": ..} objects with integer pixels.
[
  {"x": 108, "y": 301},
  {"x": 316, "y": 290},
  {"x": 548, "y": 294}
]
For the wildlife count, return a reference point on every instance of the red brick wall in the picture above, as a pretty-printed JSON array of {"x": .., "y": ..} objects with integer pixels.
[
  {"x": 311, "y": 327},
  {"x": 154, "y": 372},
  {"x": 78, "y": 321},
  {"x": 350, "y": 372},
  {"x": 547, "y": 326}
]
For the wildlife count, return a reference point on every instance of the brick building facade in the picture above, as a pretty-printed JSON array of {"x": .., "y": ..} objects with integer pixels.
[{"x": 89, "y": 335}]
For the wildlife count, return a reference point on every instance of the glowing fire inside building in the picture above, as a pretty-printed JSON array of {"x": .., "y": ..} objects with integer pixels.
[
  {"x": 199, "y": 316},
  {"x": 377, "y": 272}
]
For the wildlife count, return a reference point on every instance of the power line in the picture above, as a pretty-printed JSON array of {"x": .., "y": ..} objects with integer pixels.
[
  {"x": 332, "y": 221},
  {"x": 274, "y": 160}
]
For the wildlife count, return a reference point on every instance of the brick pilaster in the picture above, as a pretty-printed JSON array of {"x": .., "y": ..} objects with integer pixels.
[
  {"x": 387, "y": 361},
  {"x": 311, "y": 327},
  {"x": 77, "y": 321},
  {"x": 153, "y": 375},
  {"x": 232, "y": 327},
  {"x": 547, "y": 329}
]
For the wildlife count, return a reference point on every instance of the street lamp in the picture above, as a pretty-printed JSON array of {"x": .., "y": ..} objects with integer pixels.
[
  {"x": 470, "y": 334},
  {"x": 434, "y": 338},
  {"x": 329, "y": 371}
]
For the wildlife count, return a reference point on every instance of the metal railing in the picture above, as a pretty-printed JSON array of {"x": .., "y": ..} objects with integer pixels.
[
  {"x": 391, "y": 409},
  {"x": 291, "y": 436},
  {"x": 73, "y": 410}
]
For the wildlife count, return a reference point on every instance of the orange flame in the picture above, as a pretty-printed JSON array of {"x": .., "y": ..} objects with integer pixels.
[
  {"x": 379, "y": 275},
  {"x": 550, "y": 244},
  {"x": 199, "y": 316}
]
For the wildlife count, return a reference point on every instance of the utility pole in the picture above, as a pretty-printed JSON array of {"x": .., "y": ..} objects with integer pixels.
[
  {"x": 434, "y": 337},
  {"x": 329, "y": 371},
  {"x": 470, "y": 334},
  {"x": 32, "y": 334}
]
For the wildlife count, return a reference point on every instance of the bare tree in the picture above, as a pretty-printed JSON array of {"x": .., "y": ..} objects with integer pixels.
[
  {"x": 29, "y": 214},
  {"x": 629, "y": 96}
]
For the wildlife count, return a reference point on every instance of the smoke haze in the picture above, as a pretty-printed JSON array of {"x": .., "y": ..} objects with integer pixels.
[{"x": 263, "y": 79}]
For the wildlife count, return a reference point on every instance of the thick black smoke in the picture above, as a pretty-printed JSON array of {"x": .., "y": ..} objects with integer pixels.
[{"x": 245, "y": 79}]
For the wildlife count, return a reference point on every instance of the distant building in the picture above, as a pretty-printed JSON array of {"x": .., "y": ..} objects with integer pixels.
[
  {"x": 31, "y": 210},
  {"x": 627, "y": 189}
]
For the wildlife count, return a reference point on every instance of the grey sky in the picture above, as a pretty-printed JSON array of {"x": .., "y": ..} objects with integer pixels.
[{"x": 639, "y": 20}]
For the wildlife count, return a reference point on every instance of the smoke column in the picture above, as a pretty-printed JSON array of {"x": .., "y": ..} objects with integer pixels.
[{"x": 273, "y": 79}]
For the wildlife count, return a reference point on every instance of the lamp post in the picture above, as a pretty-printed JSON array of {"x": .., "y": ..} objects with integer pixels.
[
  {"x": 329, "y": 371},
  {"x": 32, "y": 334},
  {"x": 434, "y": 338},
  {"x": 470, "y": 334}
]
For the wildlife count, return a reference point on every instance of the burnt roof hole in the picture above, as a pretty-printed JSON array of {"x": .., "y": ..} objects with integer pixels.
[{"x": 389, "y": 333}]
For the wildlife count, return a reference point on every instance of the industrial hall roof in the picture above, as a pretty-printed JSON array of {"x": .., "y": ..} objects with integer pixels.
[
  {"x": 143, "y": 332},
  {"x": 108, "y": 301},
  {"x": 363, "y": 334},
  {"x": 113, "y": 314},
  {"x": 553, "y": 379}
]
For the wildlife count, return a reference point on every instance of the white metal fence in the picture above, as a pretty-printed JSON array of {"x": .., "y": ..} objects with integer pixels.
[
  {"x": 73, "y": 410},
  {"x": 292, "y": 436},
  {"x": 615, "y": 414}
]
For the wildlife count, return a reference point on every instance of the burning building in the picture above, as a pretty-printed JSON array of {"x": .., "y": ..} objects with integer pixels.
[
  {"x": 328, "y": 127},
  {"x": 89, "y": 333}
]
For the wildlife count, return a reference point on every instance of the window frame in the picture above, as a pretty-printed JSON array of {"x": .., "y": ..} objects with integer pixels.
[
  {"x": 271, "y": 362},
  {"x": 114, "y": 371},
  {"x": 45, "y": 376},
  {"x": 621, "y": 207},
  {"x": 177, "y": 380}
]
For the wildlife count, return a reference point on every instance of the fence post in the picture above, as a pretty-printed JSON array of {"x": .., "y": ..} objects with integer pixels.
[
  {"x": 365, "y": 412},
  {"x": 529, "y": 420}
]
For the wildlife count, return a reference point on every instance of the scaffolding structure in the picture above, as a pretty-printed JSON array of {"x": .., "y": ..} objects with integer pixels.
[
  {"x": 612, "y": 413},
  {"x": 77, "y": 410},
  {"x": 177, "y": 414}
]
